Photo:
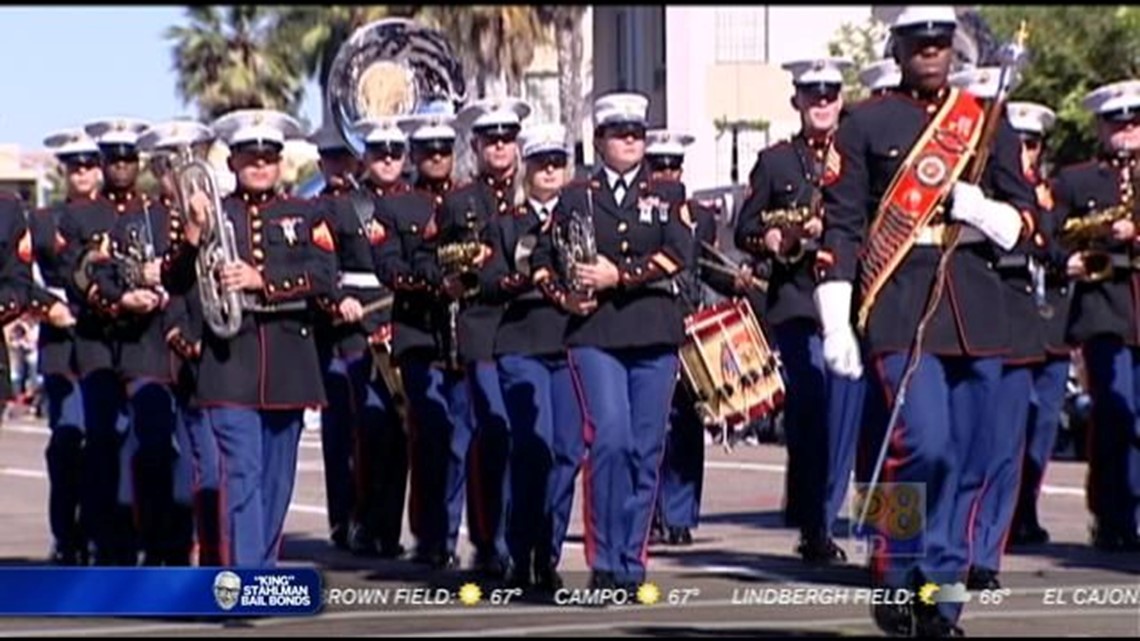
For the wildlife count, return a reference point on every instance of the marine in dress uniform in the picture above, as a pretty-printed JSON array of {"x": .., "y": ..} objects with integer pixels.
[
  {"x": 880, "y": 76},
  {"x": 960, "y": 359},
  {"x": 624, "y": 336},
  {"x": 84, "y": 229},
  {"x": 1103, "y": 321},
  {"x": 678, "y": 505},
  {"x": 422, "y": 337},
  {"x": 255, "y": 386},
  {"x": 546, "y": 424},
  {"x": 466, "y": 214},
  {"x": 822, "y": 412},
  {"x": 993, "y": 473},
  {"x": 198, "y": 449},
  {"x": 129, "y": 291},
  {"x": 1032, "y": 121},
  {"x": 340, "y": 420},
  {"x": 78, "y": 156},
  {"x": 348, "y": 339}
]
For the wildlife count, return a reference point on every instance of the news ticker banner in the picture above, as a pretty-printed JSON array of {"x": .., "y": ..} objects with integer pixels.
[{"x": 96, "y": 591}]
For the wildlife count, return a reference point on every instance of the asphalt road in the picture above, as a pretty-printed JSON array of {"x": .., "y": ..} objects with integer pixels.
[{"x": 723, "y": 585}]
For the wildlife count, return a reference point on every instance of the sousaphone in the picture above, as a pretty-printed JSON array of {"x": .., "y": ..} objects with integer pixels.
[{"x": 391, "y": 67}]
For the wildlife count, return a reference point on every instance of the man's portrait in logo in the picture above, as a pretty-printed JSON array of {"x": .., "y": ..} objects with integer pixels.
[{"x": 227, "y": 588}]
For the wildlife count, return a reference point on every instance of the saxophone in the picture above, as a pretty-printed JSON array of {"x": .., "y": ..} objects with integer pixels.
[
  {"x": 1088, "y": 236},
  {"x": 790, "y": 222},
  {"x": 221, "y": 307}
]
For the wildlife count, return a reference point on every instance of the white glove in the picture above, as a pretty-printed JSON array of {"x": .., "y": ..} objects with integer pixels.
[
  {"x": 840, "y": 349},
  {"x": 999, "y": 221}
]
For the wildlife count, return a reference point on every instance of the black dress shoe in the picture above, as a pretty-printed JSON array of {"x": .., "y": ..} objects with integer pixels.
[
  {"x": 657, "y": 535},
  {"x": 1106, "y": 539},
  {"x": 67, "y": 557},
  {"x": 547, "y": 579},
  {"x": 518, "y": 577},
  {"x": 445, "y": 561},
  {"x": 391, "y": 550},
  {"x": 929, "y": 623},
  {"x": 982, "y": 579},
  {"x": 894, "y": 619},
  {"x": 1029, "y": 535},
  {"x": 491, "y": 566},
  {"x": 339, "y": 537},
  {"x": 680, "y": 536},
  {"x": 820, "y": 550}
]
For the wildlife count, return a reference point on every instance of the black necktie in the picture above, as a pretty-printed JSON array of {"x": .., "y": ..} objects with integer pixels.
[{"x": 619, "y": 190}]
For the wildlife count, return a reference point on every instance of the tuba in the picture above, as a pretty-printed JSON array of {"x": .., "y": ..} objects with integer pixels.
[
  {"x": 390, "y": 68},
  {"x": 221, "y": 307}
]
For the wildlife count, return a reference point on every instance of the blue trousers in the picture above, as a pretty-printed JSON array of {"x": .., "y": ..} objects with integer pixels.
[
  {"x": 823, "y": 417},
  {"x": 937, "y": 434},
  {"x": 1114, "y": 465},
  {"x": 380, "y": 461},
  {"x": 339, "y": 427},
  {"x": 546, "y": 450},
  {"x": 206, "y": 486},
  {"x": 438, "y": 407},
  {"x": 488, "y": 469},
  {"x": 64, "y": 456},
  {"x": 682, "y": 475},
  {"x": 627, "y": 395},
  {"x": 1048, "y": 400},
  {"x": 1005, "y": 441},
  {"x": 258, "y": 451},
  {"x": 105, "y": 426},
  {"x": 150, "y": 470}
]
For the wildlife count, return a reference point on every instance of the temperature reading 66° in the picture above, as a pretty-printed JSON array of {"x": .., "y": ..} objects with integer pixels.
[
  {"x": 993, "y": 597},
  {"x": 504, "y": 596},
  {"x": 682, "y": 596}
]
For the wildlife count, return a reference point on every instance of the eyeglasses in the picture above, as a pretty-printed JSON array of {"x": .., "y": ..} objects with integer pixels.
[
  {"x": 495, "y": 138},
  {"x": 82, "y": 165},
  {"x": 384, "y": 152},
  {"x": 267, "y": 156},
  {"x": 817, "y": 94}
]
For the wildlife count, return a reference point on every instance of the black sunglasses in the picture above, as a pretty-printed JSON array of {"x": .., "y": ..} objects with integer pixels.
[
  {"x": 557, "y": 161},
  {"x": 76, "y": 165},
  {"x": 384, "y": 152},
  {"x": 665, "y": 163},
  {"x": 494, "y": 138},
  {"x": 625, "y": 130},
  {"x": 819, "y": 93},
  {"x": 429, "y": 150}
]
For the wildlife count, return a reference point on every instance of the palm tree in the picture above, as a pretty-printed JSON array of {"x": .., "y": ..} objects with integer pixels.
[
  {"x": 228, "y": 59},
  {"x": 566, "y": 21},
  {"x": 495, "y": 42},
  {"x": 315, "y": 33}
]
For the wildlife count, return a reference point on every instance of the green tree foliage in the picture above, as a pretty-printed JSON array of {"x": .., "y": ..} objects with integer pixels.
[
  {"x": 862, "y": 44},
  {"x": 1073, "y": 49}
]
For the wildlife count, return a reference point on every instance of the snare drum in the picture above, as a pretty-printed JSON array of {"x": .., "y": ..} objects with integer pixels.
[{"x": 729, "y": 366}]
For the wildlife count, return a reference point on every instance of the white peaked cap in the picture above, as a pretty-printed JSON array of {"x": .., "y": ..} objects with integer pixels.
[
  {"x": 116, "y": 131},
  {"x": 927, "y": 16},
  {"x": 491, "y": 113},
  {"x": 381, "y": 131},
  {"x": 1117, "y": 96},
  {"x": 543, "y": 139},
  {"x": 817, "y": 70},
  {"x": 1030, "y": 117},
  {"x": 257, "y": 125},
  {"x": 71, "y": 142},
  {"x": 173, "y": 134},
  {"x": 883, "y": 74},
  {"x": 660, "y": 142},
  {"x": 621, "y": 108}
]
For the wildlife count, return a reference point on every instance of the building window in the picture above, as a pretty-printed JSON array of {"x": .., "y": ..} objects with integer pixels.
[
  {"x": 540, "y": 91},
  {"x": 740, "y": 33}
]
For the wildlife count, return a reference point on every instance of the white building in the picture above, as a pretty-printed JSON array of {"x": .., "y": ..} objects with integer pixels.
[{"x": 698, "y": 65}]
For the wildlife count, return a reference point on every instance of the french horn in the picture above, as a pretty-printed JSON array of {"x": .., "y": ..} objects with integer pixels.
[{"x": 390, "y": 68}]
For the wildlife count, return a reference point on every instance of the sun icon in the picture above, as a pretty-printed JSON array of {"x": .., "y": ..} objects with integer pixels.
[
  {"x": 648, "y": 594},
  {"x": 470, "y": 594},
  {"x": 926, "y": 593}
]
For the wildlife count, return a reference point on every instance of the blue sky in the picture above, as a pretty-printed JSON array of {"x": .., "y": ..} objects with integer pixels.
[{"x": 65, "y": 66}]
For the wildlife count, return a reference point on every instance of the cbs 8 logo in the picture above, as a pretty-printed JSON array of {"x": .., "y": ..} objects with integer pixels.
[{"x": 895, "y": 518}]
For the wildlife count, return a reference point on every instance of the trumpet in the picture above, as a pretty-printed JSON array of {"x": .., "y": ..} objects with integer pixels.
[
  {"x": 790, "y": 222},
  {"x": 460, "y": 258},
  {"x": 1087, "y": 236}
]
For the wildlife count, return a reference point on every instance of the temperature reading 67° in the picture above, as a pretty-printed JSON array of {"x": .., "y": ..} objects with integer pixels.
[
  {"x": 683, "y": 596},
  {"x": 505, "y": 596},
  {"x": 993, "y": 597}
]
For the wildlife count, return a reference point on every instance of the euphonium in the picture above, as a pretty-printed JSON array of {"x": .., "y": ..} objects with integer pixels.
[
  {"x": 221, "y": 307},
  {"x": 578, "y": 245}
]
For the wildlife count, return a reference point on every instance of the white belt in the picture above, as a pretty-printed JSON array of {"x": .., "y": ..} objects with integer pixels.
[
  {"x": 934, "y": 235},
  {"x": 360, "y": 280},
  {"x": 58, "y": 292}
]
